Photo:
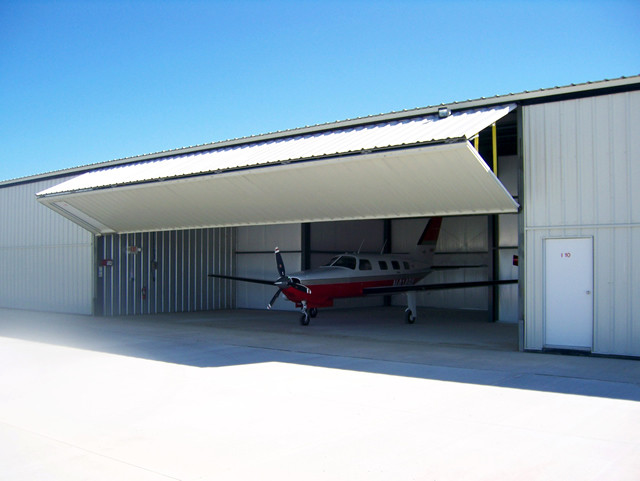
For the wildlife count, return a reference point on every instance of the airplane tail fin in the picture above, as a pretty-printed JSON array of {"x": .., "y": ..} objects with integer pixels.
[{"x": 426, "y": 246}]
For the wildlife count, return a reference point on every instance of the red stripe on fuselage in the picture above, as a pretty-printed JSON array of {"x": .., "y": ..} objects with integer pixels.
[{"x": 322, "y": 295}]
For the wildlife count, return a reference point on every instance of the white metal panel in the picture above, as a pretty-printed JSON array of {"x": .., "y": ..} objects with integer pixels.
[
  {"x": 48, "y": 278},
  {"x": 265, "y": 238},
  {"x": 464, "y": 234},
  {"x": 508, "y": 173},
  {"x": 460, "y": 125},
  {"x": 436, "y": 180},
  {"x": 508, "y": 298},
  {"x": 508, "y": 234},
  {"x": 338, "y": 237},
  {"x": 262, "y": 266},
  {"x": 462, "y": 241},
  {"x": 255, "y": 259},
  {"x": 581, "y": 172},
  {"x": 582, "y": 165},
  {"x": 46, "y": 261},
  {"x": 24, "y": 222}
]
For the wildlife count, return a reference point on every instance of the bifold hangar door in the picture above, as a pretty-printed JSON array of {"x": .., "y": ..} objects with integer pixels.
[{"x": 412, "y": 167}]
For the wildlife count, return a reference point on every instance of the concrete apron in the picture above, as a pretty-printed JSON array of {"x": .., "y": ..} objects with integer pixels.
[{"x": 241, "y": 394}]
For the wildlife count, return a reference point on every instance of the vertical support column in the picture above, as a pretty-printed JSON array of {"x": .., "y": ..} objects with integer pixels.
[
  {"x": 494, "y": 148},
  {"x": 493, "y": 300},
  {"x": 521, "y": 236},
  {"x": 305, "y": 244},
  {"x": 493, "y": 230},
  {"x": 386, "y": 238},
  {"x": 99, "y": 273}
]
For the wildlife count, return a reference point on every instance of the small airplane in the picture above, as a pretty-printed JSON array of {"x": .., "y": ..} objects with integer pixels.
[{"x": 356, "y": 275}]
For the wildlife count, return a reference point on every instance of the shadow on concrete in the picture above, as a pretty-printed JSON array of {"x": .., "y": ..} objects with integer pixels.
[{"x": 447, "y": 345}]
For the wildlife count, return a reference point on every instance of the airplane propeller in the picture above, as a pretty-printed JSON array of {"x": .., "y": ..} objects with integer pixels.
[{"x": 283, "y": 282}]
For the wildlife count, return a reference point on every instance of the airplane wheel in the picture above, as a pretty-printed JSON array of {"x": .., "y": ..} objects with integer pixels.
[
  {"x": 313, "y": 312},
  {"x": 409, "y": 318},
  {"x": 304, "y": 319}
]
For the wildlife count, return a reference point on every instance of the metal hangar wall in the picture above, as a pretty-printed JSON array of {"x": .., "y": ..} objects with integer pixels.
[
  {"x": 46, "y": 261},
  {"x": 582, "y": 172}
]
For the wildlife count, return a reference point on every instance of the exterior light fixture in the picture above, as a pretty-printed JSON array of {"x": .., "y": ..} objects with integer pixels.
[{"x": 443, "y": 112}]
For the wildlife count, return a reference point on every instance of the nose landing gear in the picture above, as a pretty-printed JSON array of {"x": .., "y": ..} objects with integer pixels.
[{"x": 307, "y": 314}]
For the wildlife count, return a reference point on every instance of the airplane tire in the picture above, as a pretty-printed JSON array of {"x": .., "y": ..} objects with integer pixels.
[
  {"x": 313, "y": 312},
  {"x": 304, "y": 319},
  {"x": 409, "y": 318}
]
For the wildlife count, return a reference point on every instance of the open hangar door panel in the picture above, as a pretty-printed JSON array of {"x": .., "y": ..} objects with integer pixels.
[{"x": 402, "y": 168}]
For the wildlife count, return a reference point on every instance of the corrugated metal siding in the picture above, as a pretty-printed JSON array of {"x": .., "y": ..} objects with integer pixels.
[
  {"x": 429, "y": 128},
  {"x": 46, "y": 261},
  {"x": 169, "y": 274},
  {"x": 27, "y": 223},
  {"x": 582, "y": 169}
]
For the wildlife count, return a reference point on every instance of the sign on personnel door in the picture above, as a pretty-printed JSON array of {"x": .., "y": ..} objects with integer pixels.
[{"x": 569, "y": 292}]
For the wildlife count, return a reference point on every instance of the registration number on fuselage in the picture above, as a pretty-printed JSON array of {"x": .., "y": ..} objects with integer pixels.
[{"x": 403, "y": 282}]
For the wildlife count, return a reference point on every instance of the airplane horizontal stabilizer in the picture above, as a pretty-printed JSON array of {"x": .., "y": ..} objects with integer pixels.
[{"x": 434, "y": 287}]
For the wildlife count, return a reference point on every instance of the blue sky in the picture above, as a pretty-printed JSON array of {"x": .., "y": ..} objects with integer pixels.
[{"x": 88, "y": 81}]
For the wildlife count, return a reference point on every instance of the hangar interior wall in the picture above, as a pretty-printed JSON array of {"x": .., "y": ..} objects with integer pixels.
[
  {"x": 463, "y": 240},
  {"x": 168, "y": 272},
  {"x": 46, "y": 261},
  {"x": 581, "y": 180},
  {"x": 255, "y": 259}
]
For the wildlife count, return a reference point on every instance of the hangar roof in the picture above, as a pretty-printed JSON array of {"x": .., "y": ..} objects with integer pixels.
[
  {"x": 398, "y": 168},
  {"x": 533, "y": 96},
  {"x": 351, "y": 140}
]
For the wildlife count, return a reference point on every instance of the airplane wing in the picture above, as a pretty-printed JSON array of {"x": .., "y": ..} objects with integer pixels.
[
  {"x": 434, "y": 287},
  {"x": 244, "y": 279}
]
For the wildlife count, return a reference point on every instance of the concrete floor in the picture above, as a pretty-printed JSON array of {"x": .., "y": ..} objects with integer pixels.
[{"x": 355, "y": 395}]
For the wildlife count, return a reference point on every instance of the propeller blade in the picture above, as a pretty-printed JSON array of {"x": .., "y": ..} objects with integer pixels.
[
  {"x": 273, "y": 299},
  {"x": 279, "y": 263}
]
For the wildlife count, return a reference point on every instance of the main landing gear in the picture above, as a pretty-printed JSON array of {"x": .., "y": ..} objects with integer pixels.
[
  {"x": 411, "y": 313},
  {"x": 409, "y": 318},
  {"x": 307, "y": 314}
]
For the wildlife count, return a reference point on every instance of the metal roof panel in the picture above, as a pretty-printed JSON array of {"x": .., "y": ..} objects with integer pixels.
[{"x": 364, "y": 138}]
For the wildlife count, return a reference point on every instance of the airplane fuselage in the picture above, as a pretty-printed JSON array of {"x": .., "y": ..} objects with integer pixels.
[{"x": 348, "y": 275}]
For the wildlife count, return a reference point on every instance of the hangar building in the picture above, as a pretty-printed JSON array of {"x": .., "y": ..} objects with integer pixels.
[{"x": 539, "y": 186}]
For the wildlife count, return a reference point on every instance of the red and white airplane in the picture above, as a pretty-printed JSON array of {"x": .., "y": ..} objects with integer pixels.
[{"x": 356, "y": 275}]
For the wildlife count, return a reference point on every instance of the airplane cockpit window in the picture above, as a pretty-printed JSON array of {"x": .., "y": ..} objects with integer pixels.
[
  {"x": 406, "y": 265},
  {"x": 383, "y": 265},
  {"x": 344, "y": 261},
  {"x": 395, "y": 265},
  {"x": 330, "y": 263},
  {"x": 365, "y": 265}
]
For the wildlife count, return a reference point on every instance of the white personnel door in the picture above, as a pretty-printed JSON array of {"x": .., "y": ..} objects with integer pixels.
[{"x": 569, "y": 292}]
